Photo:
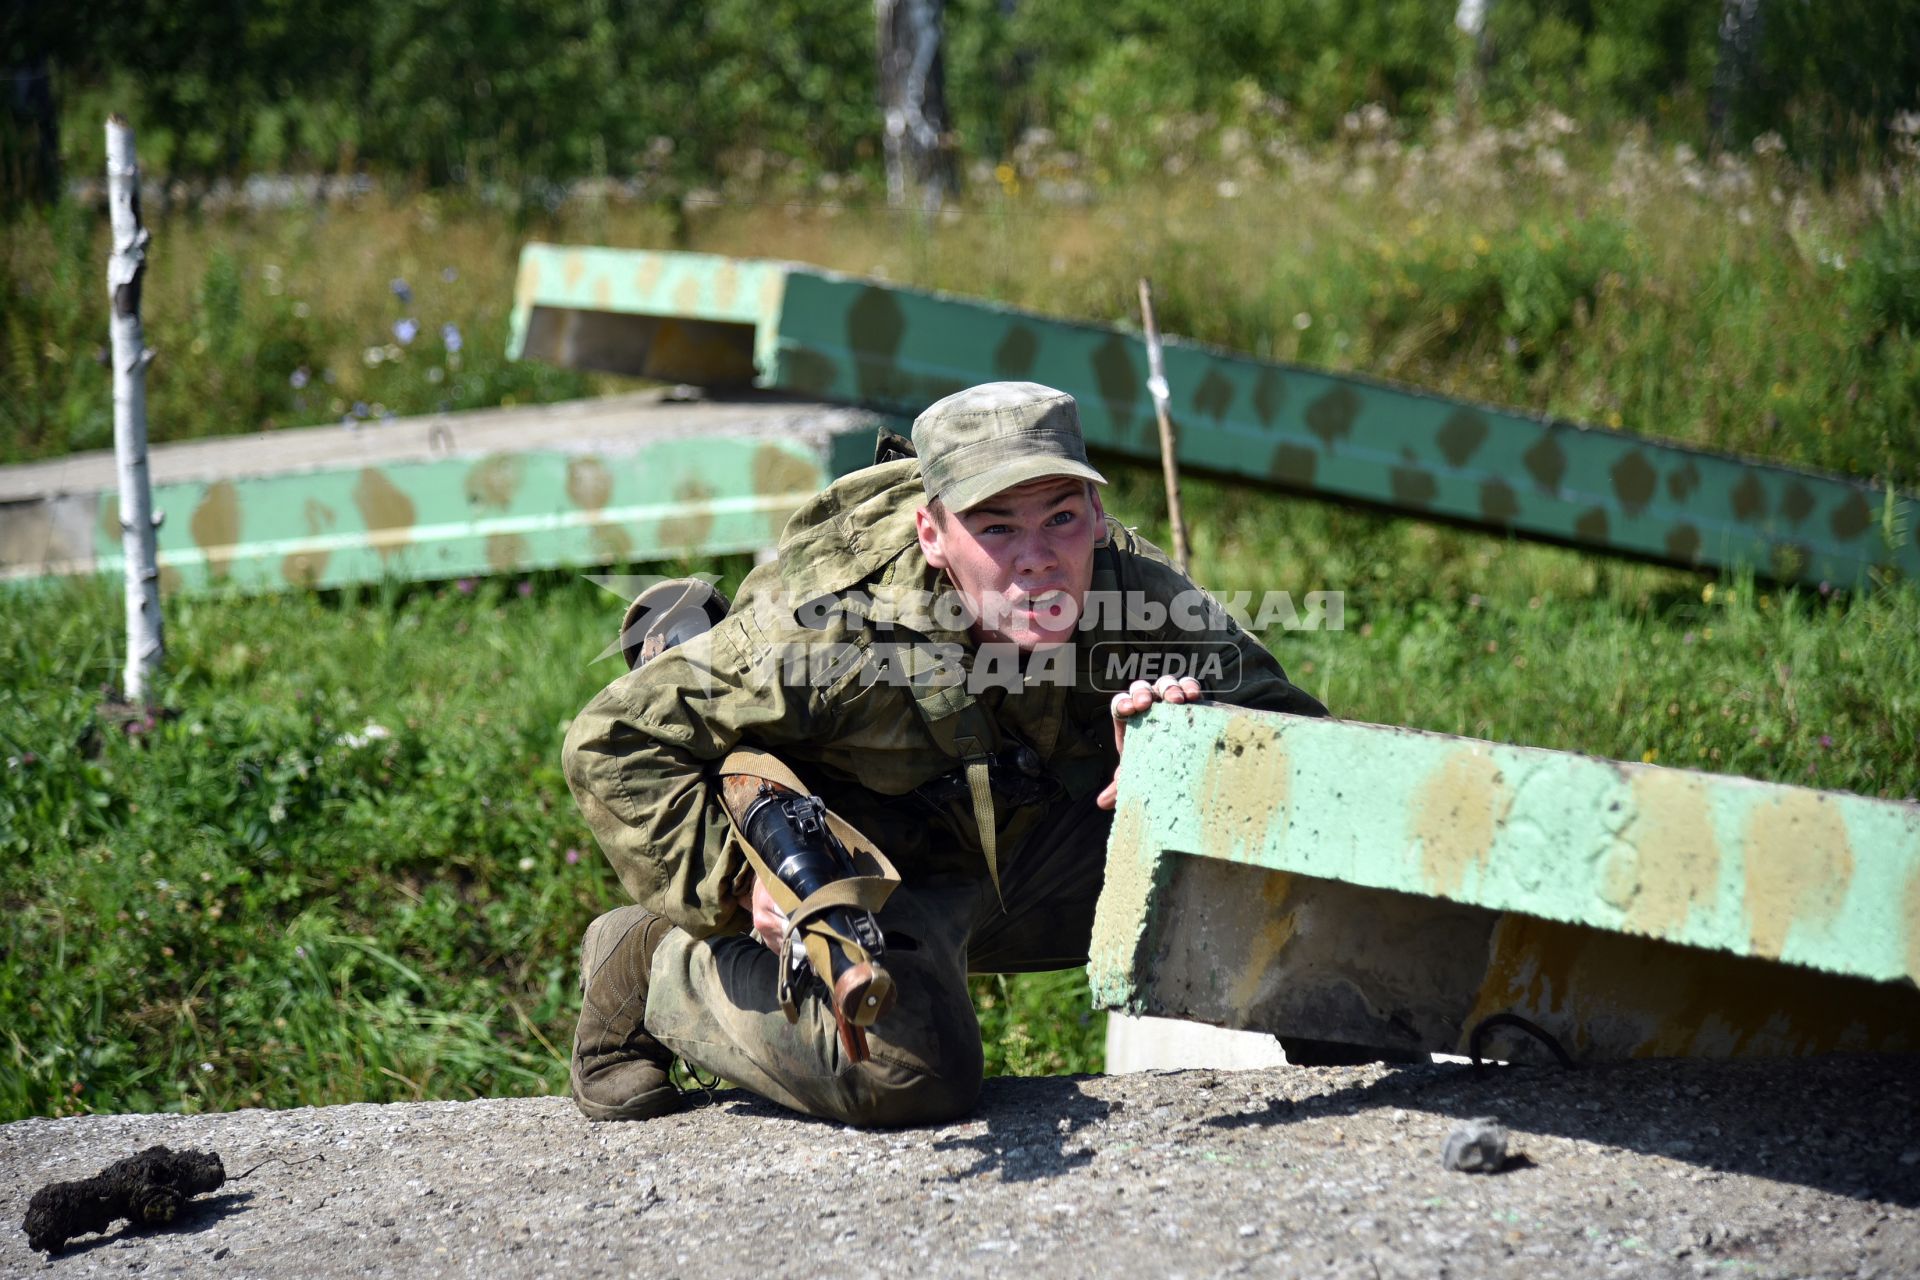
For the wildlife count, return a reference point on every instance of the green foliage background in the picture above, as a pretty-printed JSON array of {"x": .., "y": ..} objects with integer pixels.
[{"x": 514, "y": 91}]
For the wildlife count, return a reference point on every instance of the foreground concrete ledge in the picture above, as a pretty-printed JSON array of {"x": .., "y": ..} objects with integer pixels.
[
  {"x": 1672, "y": 1168},
  {"x": 1823, "y": 879},
  {"x": 1355, "y": 883}
]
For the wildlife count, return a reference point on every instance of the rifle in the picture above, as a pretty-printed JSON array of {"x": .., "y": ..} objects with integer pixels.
[{"x": 830, "y": 892}]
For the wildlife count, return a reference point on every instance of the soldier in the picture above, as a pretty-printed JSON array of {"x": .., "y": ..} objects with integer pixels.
[{"x": 922, "y": 657}]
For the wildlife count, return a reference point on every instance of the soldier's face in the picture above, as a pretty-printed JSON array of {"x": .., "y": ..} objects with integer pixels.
[{"x": 1023, "y": 559}]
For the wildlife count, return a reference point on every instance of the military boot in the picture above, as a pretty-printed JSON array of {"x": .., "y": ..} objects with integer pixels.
[{"x": 619, "y": 1071}]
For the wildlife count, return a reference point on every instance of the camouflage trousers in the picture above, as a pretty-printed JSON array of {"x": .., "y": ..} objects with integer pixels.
[{"x": 712, "y": 1000}]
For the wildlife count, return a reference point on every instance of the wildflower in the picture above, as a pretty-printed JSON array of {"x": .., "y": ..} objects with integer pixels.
[
  {"x": 372, "y": 356},
  {"x": 1826, "y": 740},
  {"x": 405, "y": 330},
  {"x": 401, "y": 290},
  {"x": 464, "y": 586},
  {"x": 373, "y": 732},
  {"x": 299, "y": 378},
  {"x": 450, "y": 336},
  {"x": 206, "y": 1066},
  {"x": 1826, "y": 588},
  {"x": 449, "y": 275},
  {"x": 526, "y": 864},
  {"x": 359, "y": 409},
  {"x": 1302, "y": 321},
  {"x": 525, "y": 589},
  {"x": 573, "y": 856},
  {"x": 300, "y": 953}
]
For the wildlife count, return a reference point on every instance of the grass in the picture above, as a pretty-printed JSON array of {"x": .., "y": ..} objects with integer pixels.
[
  {"x": 1534, "y": 266},
  {"x": 263, "y": 901}
]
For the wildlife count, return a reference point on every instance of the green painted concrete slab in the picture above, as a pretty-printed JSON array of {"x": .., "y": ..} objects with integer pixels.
[
  {"x": 1757, "y": 869},
  {"x": 616, "y": 482},
  {"x": 832, "y": 337},
  {"x": 1362, "y": 885}
]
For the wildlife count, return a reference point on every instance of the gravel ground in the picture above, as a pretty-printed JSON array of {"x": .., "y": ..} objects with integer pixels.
[{"x": 1806, "y": 1168}]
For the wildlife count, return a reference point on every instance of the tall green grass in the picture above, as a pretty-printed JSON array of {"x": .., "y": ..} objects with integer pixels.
[
  {"x": 1738, "y": 304},
  {"x": 266, "y": 901}
]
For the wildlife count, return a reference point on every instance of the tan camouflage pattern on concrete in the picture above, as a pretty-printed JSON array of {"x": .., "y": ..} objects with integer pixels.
[
  {"x": 1344, "y": 881},
  {"x": 455, "y": 496}
]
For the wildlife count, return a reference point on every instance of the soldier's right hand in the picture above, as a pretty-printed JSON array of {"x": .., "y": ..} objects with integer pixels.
[{"x": 1138, "y": 697}]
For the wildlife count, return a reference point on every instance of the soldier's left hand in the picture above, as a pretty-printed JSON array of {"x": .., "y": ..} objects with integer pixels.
[
  {"x": 1136, "y": 699},
  {"x": 769, "y": 921}
]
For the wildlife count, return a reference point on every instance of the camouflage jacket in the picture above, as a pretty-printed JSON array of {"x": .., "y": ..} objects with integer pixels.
[{"x": 832, "y": 660}]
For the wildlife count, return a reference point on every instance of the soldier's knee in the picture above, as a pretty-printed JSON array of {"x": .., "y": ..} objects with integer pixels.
[{"x": 884, "y": 1095}]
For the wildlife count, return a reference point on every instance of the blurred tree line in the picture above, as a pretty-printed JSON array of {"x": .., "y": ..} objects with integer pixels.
[{"x": 518, "y": 91}]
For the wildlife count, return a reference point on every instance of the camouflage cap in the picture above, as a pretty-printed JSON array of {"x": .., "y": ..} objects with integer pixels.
[{"x": 989, "y": 438}]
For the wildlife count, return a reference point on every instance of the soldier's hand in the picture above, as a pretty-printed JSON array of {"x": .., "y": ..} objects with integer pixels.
[
  {"x": 769, "y": 921},
  {"x": 1136, "y": 699}
]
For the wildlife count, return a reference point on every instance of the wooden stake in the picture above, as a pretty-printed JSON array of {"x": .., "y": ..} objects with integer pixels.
[
  {"x": 146, "y": 645},
  {"x": 1169, "y": 459}
]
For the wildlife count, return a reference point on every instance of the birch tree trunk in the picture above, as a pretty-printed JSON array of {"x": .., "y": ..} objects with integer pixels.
[
  {"x": 1470, "y": 76},
  {"x": 1741, "y": 25},
  {"x": 145, "y": 645},
  {"x": 913, "y": 103}
]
